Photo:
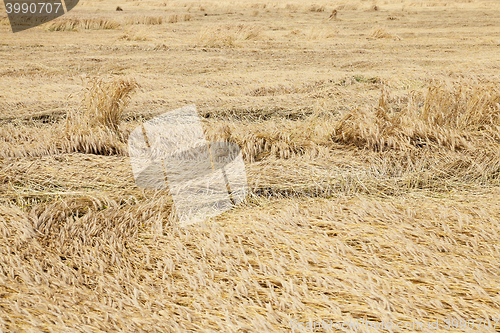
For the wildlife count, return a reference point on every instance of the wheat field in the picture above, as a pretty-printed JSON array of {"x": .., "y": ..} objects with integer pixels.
[{"x": 370, "y": 132}]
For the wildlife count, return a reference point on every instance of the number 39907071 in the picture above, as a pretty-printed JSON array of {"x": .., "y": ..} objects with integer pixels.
[{"x": 33, "y": 8}]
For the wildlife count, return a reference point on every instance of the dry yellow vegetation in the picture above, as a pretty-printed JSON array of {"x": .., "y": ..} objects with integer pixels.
[{"x": 371, "y": 144}]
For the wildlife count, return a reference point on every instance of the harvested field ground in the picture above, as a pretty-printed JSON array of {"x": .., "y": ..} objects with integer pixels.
[{"x": 371, "y": 142}]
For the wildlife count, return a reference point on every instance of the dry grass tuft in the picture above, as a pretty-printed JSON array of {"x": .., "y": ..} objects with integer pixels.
[
  {"x": 381, "y": 32},
  {"x": 133, "y": 34},
  {"x": 95, "y": 127},
  {"x": 347, "y": 6},
  {"x": 104, "y": 102},
  {"x": 173, "y": 18},
  {"x": 227, "y": 35},
  {"x": 65, "y": 24},
  {"x": 317, "y": 8},
  {"x": 377, "y": 130},
  {"x": 144, "y": 19},
  {"x": 279, "y": 139},
  {"x": 291, "y": 7},
  {"x": 73, "y": 24},
  {"x": 465, "y": 106},
  {"x": 258, "y": 5},
  {"x": 317, "y": 33},
  {"x": 449, "y": 117}
]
